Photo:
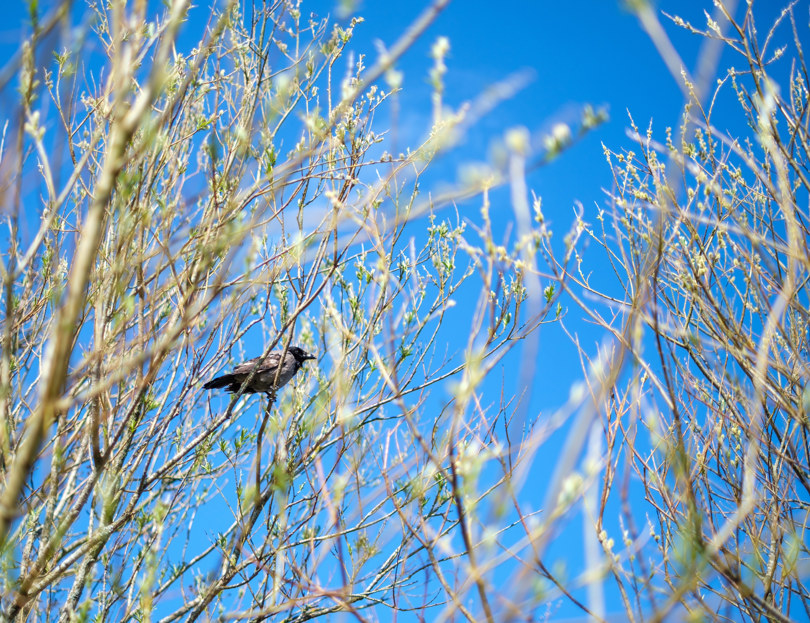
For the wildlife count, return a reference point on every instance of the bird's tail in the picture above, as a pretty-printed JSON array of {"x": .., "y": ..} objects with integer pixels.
[{"x": 221, "y": 381}]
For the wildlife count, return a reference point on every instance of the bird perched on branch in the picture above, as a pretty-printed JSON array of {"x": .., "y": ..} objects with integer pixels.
[{"x": 264, "y": 380}]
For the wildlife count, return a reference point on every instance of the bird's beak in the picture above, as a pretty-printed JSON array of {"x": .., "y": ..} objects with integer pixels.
[{"x": 310, "y": 356}]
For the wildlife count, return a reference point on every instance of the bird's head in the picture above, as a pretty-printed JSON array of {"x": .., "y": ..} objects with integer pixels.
[{"x": 300, "y": 354}]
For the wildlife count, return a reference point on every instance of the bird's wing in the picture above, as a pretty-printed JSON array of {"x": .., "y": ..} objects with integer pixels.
[
  {"x": 271, "y": 361},
  {"x": 246, "y": 367}
]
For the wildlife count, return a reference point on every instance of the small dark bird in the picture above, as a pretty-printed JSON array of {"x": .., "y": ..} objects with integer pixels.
[{"x": 263, "y": 380}]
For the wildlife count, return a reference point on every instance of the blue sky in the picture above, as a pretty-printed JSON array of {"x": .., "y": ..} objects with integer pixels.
[
  {"x": 580, "y": 52},
  {"x": 589, "y": 52}
]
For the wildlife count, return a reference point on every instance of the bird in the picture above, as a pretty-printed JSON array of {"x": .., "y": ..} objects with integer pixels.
[{"x": 264, "y": 380}]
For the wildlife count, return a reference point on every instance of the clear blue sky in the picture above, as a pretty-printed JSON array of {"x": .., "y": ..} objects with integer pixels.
[
  {"x": 581, "y": 52},
  {"x": 585, "y": 52}
]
